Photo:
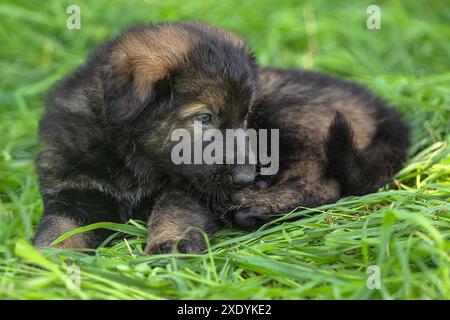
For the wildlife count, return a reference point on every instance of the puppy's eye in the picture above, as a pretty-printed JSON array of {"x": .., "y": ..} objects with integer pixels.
[{"x": 203, "y": 118}]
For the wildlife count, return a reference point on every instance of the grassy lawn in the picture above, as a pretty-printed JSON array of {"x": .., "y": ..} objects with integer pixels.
[{"x": 404, "y": 229}]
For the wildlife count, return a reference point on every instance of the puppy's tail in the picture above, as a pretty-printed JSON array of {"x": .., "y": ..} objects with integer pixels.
[{"x": 362, "y": 172}]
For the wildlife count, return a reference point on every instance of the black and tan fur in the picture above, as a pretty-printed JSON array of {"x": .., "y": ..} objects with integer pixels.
[
  {"x": 106, "y": 133},
  {"x": 106, "y": 138},
  {"x": 336, "y": 139}
]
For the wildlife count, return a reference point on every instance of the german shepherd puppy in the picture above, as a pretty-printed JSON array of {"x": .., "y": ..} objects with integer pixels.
[
  {"x": 106, "y": 134},
  {"x": 106, "y": 139},
  {"x": 336, "y": 139}
]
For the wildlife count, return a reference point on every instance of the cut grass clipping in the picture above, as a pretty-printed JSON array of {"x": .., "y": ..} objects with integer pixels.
[{"x": 393, "y": 244}]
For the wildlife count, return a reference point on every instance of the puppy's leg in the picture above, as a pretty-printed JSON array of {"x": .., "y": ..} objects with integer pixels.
[
  {"x": 52, "y": 226},
  {"x": 69, "y": 210},
  {"x": 300, "y": 185},
  {"x": 173, "y": 213}
]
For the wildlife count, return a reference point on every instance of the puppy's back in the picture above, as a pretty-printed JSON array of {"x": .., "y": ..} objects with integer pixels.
[{"x": 339, "y": 122}]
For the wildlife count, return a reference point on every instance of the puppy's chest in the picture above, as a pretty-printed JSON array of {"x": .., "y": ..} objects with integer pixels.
[
  {"x": 134, "y": 199},
  {"x": 131, "y": 194},
  {"x": 128, "y": 188}
]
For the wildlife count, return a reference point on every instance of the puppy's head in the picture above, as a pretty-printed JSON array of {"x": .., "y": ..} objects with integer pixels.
[{"x": 164, "y": 77}]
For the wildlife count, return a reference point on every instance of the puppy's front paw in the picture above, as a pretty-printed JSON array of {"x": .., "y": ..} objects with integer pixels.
[
  {"x": 251, "y": 209},
  {"x": 182, "y": 246},
  {"x": 248, "y": 219}
]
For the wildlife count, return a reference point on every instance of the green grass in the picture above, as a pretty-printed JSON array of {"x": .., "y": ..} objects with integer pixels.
[{"x": 404, "y": 228}]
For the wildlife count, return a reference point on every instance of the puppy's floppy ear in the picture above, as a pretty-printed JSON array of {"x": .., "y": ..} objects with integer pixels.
[
  {"x": 137, "y": 73},
  {"x": 130, "y": 83}
]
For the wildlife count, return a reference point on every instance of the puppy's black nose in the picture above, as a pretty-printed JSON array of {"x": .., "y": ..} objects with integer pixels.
[
  {"x": 243, "y": 178},
  {"x": 243, "y": 175}
]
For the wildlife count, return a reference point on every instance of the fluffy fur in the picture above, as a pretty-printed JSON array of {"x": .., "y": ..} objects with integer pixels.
[
  {"x": 336, "y": 139},
  {"x": 106, "y": 133},
  {"x": 106, "y": 138}
]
